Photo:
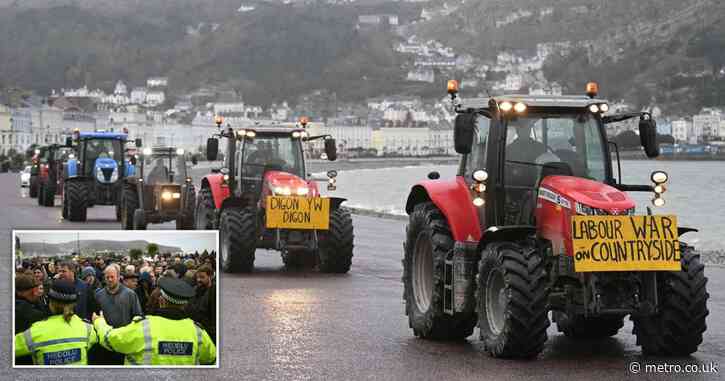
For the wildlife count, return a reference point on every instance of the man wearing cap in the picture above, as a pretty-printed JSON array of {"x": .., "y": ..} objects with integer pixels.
[
  {"x": 88, "y": 276},
  {"x": 165, "y": 337},
  {"x": 61, "y": 339}
]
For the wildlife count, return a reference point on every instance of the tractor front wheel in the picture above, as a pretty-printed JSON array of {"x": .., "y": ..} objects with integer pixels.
[
  {"x": 76, "y": 194},
  {"x": 33, "y": 191},
  {"x": 238, "y": 230},
  {"x": 336, "y": 244},
  {"x": 512, "y": 297},
  {"x": 129, "y": 203},
  {"x": 185, "y": 219},
  {"x": 677, "y": 328},
  {"x": 40, "y": 194},
  {"x": 428, "y": 242},
  {"x": 204, "y": 214}
]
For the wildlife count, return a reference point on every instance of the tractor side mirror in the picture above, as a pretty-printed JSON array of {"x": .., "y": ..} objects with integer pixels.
[
  {"x": 648, "y": 137},
  {"x": 463, "y": 133},
  {"x": 212, "y": 149},
  {"x": 69, "y": 141},
  {"x": 138, "y": 143},
  {"x": 331, "y": 149},
  {"x": 194, "y": 160}
]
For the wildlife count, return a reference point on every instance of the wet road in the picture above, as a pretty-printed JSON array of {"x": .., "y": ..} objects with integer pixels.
[{"x": 281, "y": 325}]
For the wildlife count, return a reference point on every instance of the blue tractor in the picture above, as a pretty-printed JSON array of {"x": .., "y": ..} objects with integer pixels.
[{"x": 96, "y": 175}]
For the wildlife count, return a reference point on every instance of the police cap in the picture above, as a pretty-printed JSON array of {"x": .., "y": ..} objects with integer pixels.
[{"x": 176, "y": 291}]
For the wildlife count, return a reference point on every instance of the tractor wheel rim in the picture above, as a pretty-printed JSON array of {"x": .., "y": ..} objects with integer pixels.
[
  {"x": 422, "y": 273},
  {"x": 223, "y": 253},
  {"x": 496, "y": 300}
]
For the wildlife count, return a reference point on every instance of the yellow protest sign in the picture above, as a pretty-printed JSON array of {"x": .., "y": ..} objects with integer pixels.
[
  {"x": 625, "y": 243},
  {"x": 298, "y": 213}
]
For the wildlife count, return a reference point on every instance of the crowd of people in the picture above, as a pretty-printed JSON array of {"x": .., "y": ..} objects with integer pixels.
[{"x": 113, "y": 295}]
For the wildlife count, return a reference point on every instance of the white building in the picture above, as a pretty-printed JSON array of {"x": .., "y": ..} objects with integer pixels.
[
  {"x": 138, "y": 95},
  {"x": 155, "y": 98},
  {"x": 47, "y": 123},
  {"x": 346, "y": 136},
  {"x": 513, "y": 82},
  {"x": 404, "y": 141},
  {"x": 680, "y": 130},
  {"x": 421, "y": 75},
  {"x": 708, "y": 121},
  {"x": 222, "y": 108},
  {"x": 120, "y": 88},
  {"x": 157, "y": 82}
]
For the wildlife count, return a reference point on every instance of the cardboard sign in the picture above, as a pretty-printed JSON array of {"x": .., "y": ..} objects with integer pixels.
[
  {"x": 298, "y": 213},
  {"x": 625, "y": 243}
]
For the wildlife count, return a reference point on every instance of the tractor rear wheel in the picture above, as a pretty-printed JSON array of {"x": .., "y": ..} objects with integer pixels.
[
  {"x": 428, "y": 242},
  {"x": 129, "y": 203},
  {"x": 678, "y": 327},
  {"x": 238, "y": 235},
  {"x": 204, "y": 214},
  {"x": 336, "y": 244},
  {"x": 588, "y": 328},
  {"x": 33, "y": 191},
  {"x": 139, "y": 219},
  {"x": 47, "y": 194},
  {"x": 76, "y": 194},
  {"x": 512, "y": 297},
  {"x": 185, "y": 219}
]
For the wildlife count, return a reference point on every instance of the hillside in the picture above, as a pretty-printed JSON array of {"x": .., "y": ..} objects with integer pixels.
[
  {"x": 645, "y": 51},
  {"x": 39, "y": 248}
]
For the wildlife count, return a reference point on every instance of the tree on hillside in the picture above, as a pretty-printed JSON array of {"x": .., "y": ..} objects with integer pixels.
[
  {"x": 135, "y": 254},
  {"x": 152, "y": 249}
]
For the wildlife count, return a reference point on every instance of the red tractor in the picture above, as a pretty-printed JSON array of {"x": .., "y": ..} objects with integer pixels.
[
  {"x": 50, "y": 174},
  {"x": 263, "y": 198},
  {"x": 535, "y": 221}
]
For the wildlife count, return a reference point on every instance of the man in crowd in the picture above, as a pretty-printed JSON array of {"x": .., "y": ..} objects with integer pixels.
[
  {"x": 28, "y": 292},
  {"x": 84, "y": 305},
  {"x": 203, "y": 305},
  {"x": 99, "y": 266},
  {"x": 88, "y": 276},
  {"x": 119, "y": 305}
]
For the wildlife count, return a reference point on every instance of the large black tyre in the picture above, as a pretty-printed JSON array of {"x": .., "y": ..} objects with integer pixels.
[
  {"x": 33, "y": 191},
  {"x": 204, "y": 213},
  {"x": 186, "y": 220},
  {"x": 238, "y": 236},
  {"x": 336, "y": 244},
  {"x": 139, "y": 220},
  {"x": 76, "y": 194},
  {"x": 40, "y": 194},
  {"x": 512, "y": 300},
  {"x": 588, "y": 328},
  {"x": 677, "y": 328},
  {"x": 47, "y": 194},
  {"x": 129, "y": 203},
  {"x": 428, "y": 242}
]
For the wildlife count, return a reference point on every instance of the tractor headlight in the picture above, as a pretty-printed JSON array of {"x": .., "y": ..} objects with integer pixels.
[
  {"x": 303, "y": 191},
  {"x": 147, "y": 151},
  {"x": 282, "y": 191},
  {"x": 114, "y": 175},
  {"x": 166, "y": 196},
  {"x": 603, "y": 107},
  {"x": 594, "y": 109}
]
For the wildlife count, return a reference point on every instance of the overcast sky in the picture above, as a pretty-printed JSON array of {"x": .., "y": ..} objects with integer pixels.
[{"x": 188, "y": 240}]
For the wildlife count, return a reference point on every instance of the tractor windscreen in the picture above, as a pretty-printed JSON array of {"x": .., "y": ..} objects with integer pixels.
[
  {"x": 164, "y": 166},
  {"x": 62, "y": 153},
  {"x": 101, "y": 149},
  {"x": 540, "y": 145},
  {"x": 278, "y": 152}
]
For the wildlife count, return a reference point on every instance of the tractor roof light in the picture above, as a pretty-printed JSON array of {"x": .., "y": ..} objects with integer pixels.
[
  {"x": 296, "y": 134},
  {"x": 250, "y": 134},
  {"x": 659, "y": 177},
  {"x": 480, "y": 175},
  {"x": 658, "y": 201},
  {"x": 505, "y": 106},
  {"x": 603, "y": 107},
  {"x": 147, "y": 151},
  {"x": 479, "y": 188},
  {"x": 219, "y": 120},
  {"x": 179, "y": 151},
  {"x": 594, "y": 109},
  {"x": 519, "y": 107},
  {"x": 592, "y": 89},
  {"x": 479, "y": 202},
  {"x": 453, "y": 87},
  {"x": 660, "y": 188}
]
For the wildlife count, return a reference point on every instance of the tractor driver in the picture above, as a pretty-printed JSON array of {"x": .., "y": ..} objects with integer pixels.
[
  {"x": 159, "y": 173},
  {"x": 521, "y": 167}
]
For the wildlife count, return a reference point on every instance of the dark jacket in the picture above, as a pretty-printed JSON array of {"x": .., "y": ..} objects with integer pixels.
[
  {"x": 85, "y": 303},
  {"x": 203, "y": 309},
  {"x": 27, "y": 313}
]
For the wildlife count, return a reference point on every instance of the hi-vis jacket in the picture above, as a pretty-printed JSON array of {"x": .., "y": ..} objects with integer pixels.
[
  {"x": 54, "y": 341},
  {"x": 156, "y": 340}
]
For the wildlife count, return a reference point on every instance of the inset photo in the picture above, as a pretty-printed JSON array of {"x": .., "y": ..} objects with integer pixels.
[{"x": 115, "y": 298}]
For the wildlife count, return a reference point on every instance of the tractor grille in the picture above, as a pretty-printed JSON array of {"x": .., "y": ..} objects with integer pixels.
[{"x": 107, "y": 173}]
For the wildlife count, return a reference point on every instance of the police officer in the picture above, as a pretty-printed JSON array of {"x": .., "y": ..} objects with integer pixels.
[
  {"x": 61, "y": 339},
  {"x": 166, "y": 336}
]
